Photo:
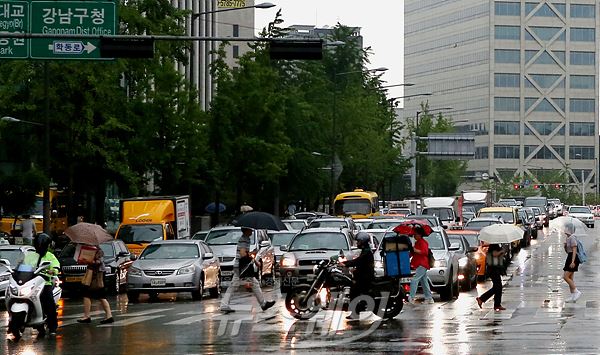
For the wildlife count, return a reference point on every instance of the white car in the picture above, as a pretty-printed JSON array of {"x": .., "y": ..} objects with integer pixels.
[{"x": 582, "y": 213}]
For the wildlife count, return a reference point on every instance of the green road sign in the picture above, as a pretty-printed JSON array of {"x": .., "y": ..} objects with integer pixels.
[
  {"x": 70, "y": 17},
  {"x": 14, "y": 17}
]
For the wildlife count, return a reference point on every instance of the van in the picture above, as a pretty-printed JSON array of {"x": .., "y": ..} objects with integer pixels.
[{"x": 542, "y": 203}]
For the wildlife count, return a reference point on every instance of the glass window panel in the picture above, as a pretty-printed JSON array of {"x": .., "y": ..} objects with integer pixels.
[
  {"x": 583, "y": 34},
  {"x": 545, "y": 33},
  {"x": 529, "y": 101},
  {"x": 583, "y": 58},
  {"x": 583, "y": 11},
  {"x": 545, "y": 58},
  {"x": 560, "y": 150},
  {"x": 544, "y": 128},
  {"x": 507, "y": 56},
  {"x": 506, "y": 104},
  {"x": 503, "y": 8},
  {"x": 560, "y": 102},
  {"x": 506, "y": 152},
  {"x": 581, "y": 152},
  {"x": 507, "y": 128},
  {"x": 582, "y": 105},
  {"x": 545, "y": 11},
  {"x": 506, "y": 80},
  {"x": 582, "y": 81},
  {"x": 507, "y": 32},
  {"x": 482, "y": 152},
  {"x": 529, "y": 6},
  {"x": 582, "y": 129},
  {"x": 544, "y": 80},
  {"x": 562, "y": 8}
]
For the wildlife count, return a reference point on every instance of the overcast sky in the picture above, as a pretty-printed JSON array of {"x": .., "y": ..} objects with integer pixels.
[{"x": 381, "y": 22}]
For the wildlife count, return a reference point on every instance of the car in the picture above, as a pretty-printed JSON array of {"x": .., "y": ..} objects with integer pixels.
[
  {"x": 467, "y": 216},
  {"x": 334, "y": 222},
  {"x": 582, "y": 213},
  {"x": 467, "y": 263},
  {"x": 475, "y": 224},
  {"x": 399, "y": 212},
  {"x": 117, "y": 260},
  {"x": 308, "y": 248},
  {"x": 532, "y": 220},
  {"x": 433, "y": 221},
  {"x": 223, "y": 241},
  {"x": 14, "y": 254},
  {"x": 525, "y": 224},
  {"x": 363, "y": 222},
  {"x": 507, "y": 202},
  {"x": 199, "y": 235},
  {"x": 309, "y": 216},
  {"x": 443, "y": 276},
  {"x": 472, "y": 238},
  {"x": 507, "y": 215},
  {"x": 279, "y": 238},
  {"x": 181, "y": 265},
  {"x": 540, "y": 217},
  {"x": 295, "y": 224},
  {"x": 385, "y": 223}
]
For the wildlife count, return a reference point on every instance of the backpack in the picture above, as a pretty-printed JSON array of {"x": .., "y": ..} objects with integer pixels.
[
  {"x": 581, "y": 254},
  {"x": 431, "y": 258}
]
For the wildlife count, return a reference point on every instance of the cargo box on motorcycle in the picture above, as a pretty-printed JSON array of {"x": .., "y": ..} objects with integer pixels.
[{"x": 396, "y": 255}]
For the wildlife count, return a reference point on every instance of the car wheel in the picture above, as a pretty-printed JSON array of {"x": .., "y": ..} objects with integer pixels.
[
  {"x": 216, "y": 291},
  {"x": 133, "y": 296},
  {"x": 197, "y": 295},
  {"x": 447, "y": 293},
  {"x": 456, "y": 289}
]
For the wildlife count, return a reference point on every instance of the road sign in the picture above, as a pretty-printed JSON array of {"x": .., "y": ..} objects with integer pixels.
[
  {"x": 14, "y": 18},
  {"x": 70, "y": 17}
]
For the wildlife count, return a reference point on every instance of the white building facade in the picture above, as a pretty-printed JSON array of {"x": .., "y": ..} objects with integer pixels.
[{"x": 522, "y": 75}]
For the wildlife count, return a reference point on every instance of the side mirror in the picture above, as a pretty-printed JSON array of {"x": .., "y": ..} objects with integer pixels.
[
  {"x": 208, "y": 255},
  {"x": 123, "y": 254},
  {"x": 44, "y": 264},
  {"x": 5, "y": 262},
  {"x": 472, "y": 249},
  {"x": 265, "y": 244},
  {"x": 132, "y": 257},
  {"x": 444, "y": 226},
  {"x": 454, "y": 246},
  {"x": 283, "y": 247}
]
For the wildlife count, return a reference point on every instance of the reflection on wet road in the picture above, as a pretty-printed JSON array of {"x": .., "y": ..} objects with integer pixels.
[{"x": 537, "y": 321}]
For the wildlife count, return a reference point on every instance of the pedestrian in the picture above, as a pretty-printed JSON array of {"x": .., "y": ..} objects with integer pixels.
[
  {"x": 28, "y": 229},
  {"x": 364, "y": 272},
  {"x": 244, "y": 268},
  {"x": 572, "y": 262},
  {"x": 420, "y": 263},
  {"x": 41, "y": 242},
  {"x": 494, "y": 266},
  {"x": 93, "y": 288}
]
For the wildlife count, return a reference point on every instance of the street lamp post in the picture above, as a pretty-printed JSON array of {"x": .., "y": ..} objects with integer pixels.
[{"x": 333, "y": 127}]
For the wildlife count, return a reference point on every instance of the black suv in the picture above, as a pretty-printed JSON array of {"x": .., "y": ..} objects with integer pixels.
[{"x": 117, "y": 260}]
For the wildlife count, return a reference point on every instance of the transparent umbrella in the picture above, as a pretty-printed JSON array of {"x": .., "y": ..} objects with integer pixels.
[{"x": 562, "y": 223}]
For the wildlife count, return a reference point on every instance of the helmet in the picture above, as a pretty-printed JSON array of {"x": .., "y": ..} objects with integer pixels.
[
  {"x": 41, "y": 243},
  {"x": 363, "y": 240}
]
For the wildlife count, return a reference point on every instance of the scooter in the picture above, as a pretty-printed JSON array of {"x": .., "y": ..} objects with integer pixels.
[{"x": 23, "y": 297}]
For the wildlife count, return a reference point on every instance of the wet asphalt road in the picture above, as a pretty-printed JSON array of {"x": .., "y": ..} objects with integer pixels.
[{"x": 537, "y": 320}]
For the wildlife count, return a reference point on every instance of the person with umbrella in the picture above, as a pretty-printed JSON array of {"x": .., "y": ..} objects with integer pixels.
[
  {"x": 572, "y": 262},
  {"x": 244, "y": 268},
  {"x": 420, "y": 262},
  {"x": 494, "y": 261}
]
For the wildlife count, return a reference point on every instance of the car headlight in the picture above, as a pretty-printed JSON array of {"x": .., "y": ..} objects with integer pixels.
[
  {"x": 14, "y": 290},
  {"x": 462, "y": 262},
  {"x": 186, "y": 270},
  {"x": 440, "y": 263},
  {"x": 379, "y": 264},
  {"x": 134, "y": 271},
  {"x": 288, "y": 260}
]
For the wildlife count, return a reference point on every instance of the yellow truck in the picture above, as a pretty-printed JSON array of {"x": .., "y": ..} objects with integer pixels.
[{"x": 144, "y": 219}]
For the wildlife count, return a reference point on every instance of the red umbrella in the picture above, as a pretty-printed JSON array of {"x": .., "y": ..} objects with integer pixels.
[{"x": 408, "y": 227}]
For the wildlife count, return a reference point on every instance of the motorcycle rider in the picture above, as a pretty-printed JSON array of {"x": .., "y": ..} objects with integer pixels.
[
  {"x": 364, "y": 271},
  {"x": 41, "y": 243}
]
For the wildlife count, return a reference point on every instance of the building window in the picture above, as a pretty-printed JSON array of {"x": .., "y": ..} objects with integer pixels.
[
  {"x": 577, "y": 173},
  {"x": 507, "y": 32},
  {"x": 506, "y": 104},
  {"x": 236, "y": 51},
  {"x": 581, "y": 152},
  {"x": 582, "y": 129},
  {"x": 583, "y": 34},
  {"x": 583, "y": 82},
  {"x": 583, "y": 11},
  {"x": 507, "y": 56},
  {"x": 583, "y": 58},
  {"x": 545, "y": 10},
  {"x": 560, "y": 150},
  {"x": 502, "y": 80},
  {"x": 544, "y": 105},
  {"x": 582, "y": 105},
  {"x": 543, "y": 153},
  {"x": 507, "y": 128},
  {"x": 544, "y": 128},
  {"x": 503, "y": 8},
  {"x": 545, "y": 58},
  {"x": 545, "y": 80},
  {"x": 506, "y": 152},
  {"x": 482, "y": 152},
  {"x": 236, "y": 30},
  {"x": 544, "y": 33}
]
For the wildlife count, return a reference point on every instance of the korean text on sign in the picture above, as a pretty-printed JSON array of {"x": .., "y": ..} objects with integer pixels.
[{"x": 76, "y": 16}]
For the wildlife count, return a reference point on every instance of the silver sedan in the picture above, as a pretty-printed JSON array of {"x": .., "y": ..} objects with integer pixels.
[{"x": 175, "y": 266}]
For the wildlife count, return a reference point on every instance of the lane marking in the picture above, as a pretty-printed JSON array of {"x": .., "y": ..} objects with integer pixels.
[{"x": 129, "y": 321}]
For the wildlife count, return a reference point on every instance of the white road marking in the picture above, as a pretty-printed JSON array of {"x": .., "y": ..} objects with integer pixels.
[{"x": 130, "y": 321}]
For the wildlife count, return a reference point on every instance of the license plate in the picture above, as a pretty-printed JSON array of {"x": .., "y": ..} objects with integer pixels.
[
  {"x": 226, "y": 273},
  {"x": 158, "y": 282},
  {"x": 74, "y": 278}
]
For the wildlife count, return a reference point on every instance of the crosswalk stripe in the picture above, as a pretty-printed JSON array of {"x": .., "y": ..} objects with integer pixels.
[{"x": 129, "y": 321}]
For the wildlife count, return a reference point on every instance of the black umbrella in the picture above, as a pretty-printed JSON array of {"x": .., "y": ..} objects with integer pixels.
[{"x": 260, "y": 220}]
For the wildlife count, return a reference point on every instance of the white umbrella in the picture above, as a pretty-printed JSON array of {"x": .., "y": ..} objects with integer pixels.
[
  {"x": 559, "y": 224},
  {"x": 500, "y": 233}
]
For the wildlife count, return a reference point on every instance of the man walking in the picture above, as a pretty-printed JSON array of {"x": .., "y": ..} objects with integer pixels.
[
  {"x": 420, "y": 263},
  {"x": 28, "y": 230},
  {"x": 244, "y": 268}
]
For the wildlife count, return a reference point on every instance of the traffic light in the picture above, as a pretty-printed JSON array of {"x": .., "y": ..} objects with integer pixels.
[
  {"x": 536, "y": 187},
  {"x": 516, "y": 186},
  {"x": 558, "y": 186}
]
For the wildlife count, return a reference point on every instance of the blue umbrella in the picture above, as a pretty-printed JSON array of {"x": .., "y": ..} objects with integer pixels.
[{"x": 211, "y": 207}]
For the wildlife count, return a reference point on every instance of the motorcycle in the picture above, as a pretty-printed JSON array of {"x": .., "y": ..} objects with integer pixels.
[
  {"x": 23, "y": 297},
  {"x": 331, "y": 290}
]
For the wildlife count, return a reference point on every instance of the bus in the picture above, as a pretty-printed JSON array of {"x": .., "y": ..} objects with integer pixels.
[{"x": 356, "y": 204}]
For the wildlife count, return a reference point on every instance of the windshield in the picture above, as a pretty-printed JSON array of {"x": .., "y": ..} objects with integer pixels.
[
  {"x": 350, "y": 207},
  {"x": 579, "y": 210},
  {"x": 295, "y": 225},
  {"x": 432, "y": 221},
  {"x": 225, "y": 237},
  {"x": 140, "y": 233},
  {"x": 328, "y": 224},
  {"x": 278, "y": 239},
  {"x": 435, "y": 241},
  {"x": 444, "y": 214},
  {"x": 456, "y": 239},
  {"x": 480, "y": 224},
  {"x": 69, "y": 250},
  {"x": 319, "y": 241},
  {"x": 199, "y": 235},
  {"x": 541, "y": 202},
  {"x": 507, "y": 217},
  {"x": 14, "y": 256},
  {"x": 472, "y": 239},
  {"x": 170, "y": 251},
  {"x": 383, "y": 224},
  {"x": 475, "y": 205}
]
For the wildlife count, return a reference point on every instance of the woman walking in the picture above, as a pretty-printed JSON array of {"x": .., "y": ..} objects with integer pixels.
[
  {"x": 494, "y": 265},
  {"x": 95, "y": 289},
  {"x": 572, "y": 262}
]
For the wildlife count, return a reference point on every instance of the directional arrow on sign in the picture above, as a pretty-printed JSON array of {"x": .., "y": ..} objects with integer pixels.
[{"x": 89, "y": 47}]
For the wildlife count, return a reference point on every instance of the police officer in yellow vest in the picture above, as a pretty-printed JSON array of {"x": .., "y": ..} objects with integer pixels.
[{"x": 42, "y": 242}]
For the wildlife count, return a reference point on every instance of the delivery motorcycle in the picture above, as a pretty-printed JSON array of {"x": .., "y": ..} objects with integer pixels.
[
  {"x": 23, "y": 297},
  {"x": 331, "y": 290}
]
